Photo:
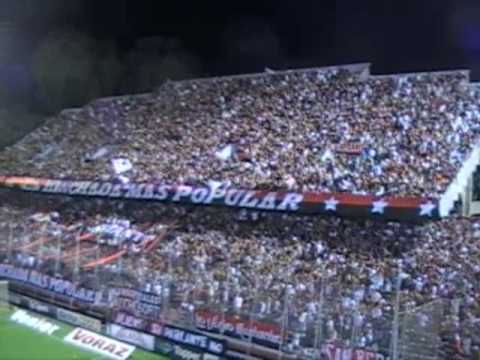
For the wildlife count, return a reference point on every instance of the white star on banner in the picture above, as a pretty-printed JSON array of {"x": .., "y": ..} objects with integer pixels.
[
  {"x": 331, "y": 204},
  {"x": 426, "y": 209},
  {"x": 379, "y": 206}
]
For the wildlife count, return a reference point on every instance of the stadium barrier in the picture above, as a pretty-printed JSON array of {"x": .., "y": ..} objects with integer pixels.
[
  {"x": 33, "y": 304},
  {"x": 55, "y": 312},
  {"x": 133, "y": 337},
  {"x": 168, "y": 340},
  {"x": 244, "y": 332},
  {"x": 80, "y": 320},
  {"x": 261, "y": 328},
  {"x": 142, "y": 340},
  {"x": 173, "y": 340}
]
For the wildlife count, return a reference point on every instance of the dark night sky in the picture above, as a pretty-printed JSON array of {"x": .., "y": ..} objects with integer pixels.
[
  {"x": 234, "y": 37},
  {"x": 395, "y": 35}
]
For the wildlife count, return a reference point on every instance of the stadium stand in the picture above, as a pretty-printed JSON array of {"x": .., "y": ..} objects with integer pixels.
[
  {"x": 274, "y": 279},
  {"x": 329, "y": 130}
]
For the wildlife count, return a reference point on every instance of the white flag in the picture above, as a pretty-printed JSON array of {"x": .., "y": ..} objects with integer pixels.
[{"x": 121, "y": 165}]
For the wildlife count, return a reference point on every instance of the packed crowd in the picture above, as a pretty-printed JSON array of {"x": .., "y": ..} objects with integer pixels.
[
  {"x": 315, "y": 130},
  {"x": 266, "y": 265},
  {"x": 318, "y": 130}
]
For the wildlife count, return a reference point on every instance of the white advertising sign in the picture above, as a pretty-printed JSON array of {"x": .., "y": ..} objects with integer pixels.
[
  {"x": 88, "y": 340},
  {"x": 134, "y": 337},
  {"x": 24, "y": 318}
]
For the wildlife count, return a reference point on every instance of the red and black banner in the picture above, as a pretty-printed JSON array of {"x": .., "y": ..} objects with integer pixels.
[
  {"x": 264, "y": 333},
  {"x": 338, "y": 204}
]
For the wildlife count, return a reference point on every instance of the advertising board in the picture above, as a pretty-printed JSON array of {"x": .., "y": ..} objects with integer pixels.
[
  {"x": 182, "y": 353},
  {"x": 103, "y": 345},
  {"x": 192, "y": 339},
  {"x": 334, "y": 351},
  {"x": 163, "y": 347},
  {"x": 186, "y": 353},
  {"x": 132, "y": 336},
  {"x": 261, "y": 332},
  {"x": 32, "y": 304},
  {"x": 79, "y": 320},
  {"x": 39, "y": 306}
]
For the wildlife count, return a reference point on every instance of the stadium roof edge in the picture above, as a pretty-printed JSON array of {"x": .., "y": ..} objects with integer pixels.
[
  {"x": 355, "y": 68},
  {"x": 440, "y": 72},
  {"x": 361, "y": 68},
  {"x": 108, "y": 98},
  {"x": 66, "y": 111},
  {"x": 70, "y": 110}
]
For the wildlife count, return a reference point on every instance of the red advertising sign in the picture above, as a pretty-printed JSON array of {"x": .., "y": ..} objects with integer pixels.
[
  {"x": 336, "y": 352},
  {"x": 239, "y": 327}
]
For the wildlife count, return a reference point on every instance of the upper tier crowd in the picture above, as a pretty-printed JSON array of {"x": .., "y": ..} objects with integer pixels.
[
  {"x": 259, "y": 264},
  {"x": 314, "y": 130}
]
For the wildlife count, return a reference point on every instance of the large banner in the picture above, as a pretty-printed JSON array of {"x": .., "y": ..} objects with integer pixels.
[
  {"x": 49, "y": 283},
  {"x": 335, "y": 352},
  {"x": 139, "y": 302},
  {"x": 132, "y": 321},
  {"x": 344, "y": 204},
  {"x": 263, "y": 333},
  {"x": 129, "y": 320}
]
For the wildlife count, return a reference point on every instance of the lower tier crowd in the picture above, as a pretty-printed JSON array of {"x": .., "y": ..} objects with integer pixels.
[{"x": 332, "y": 278}]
